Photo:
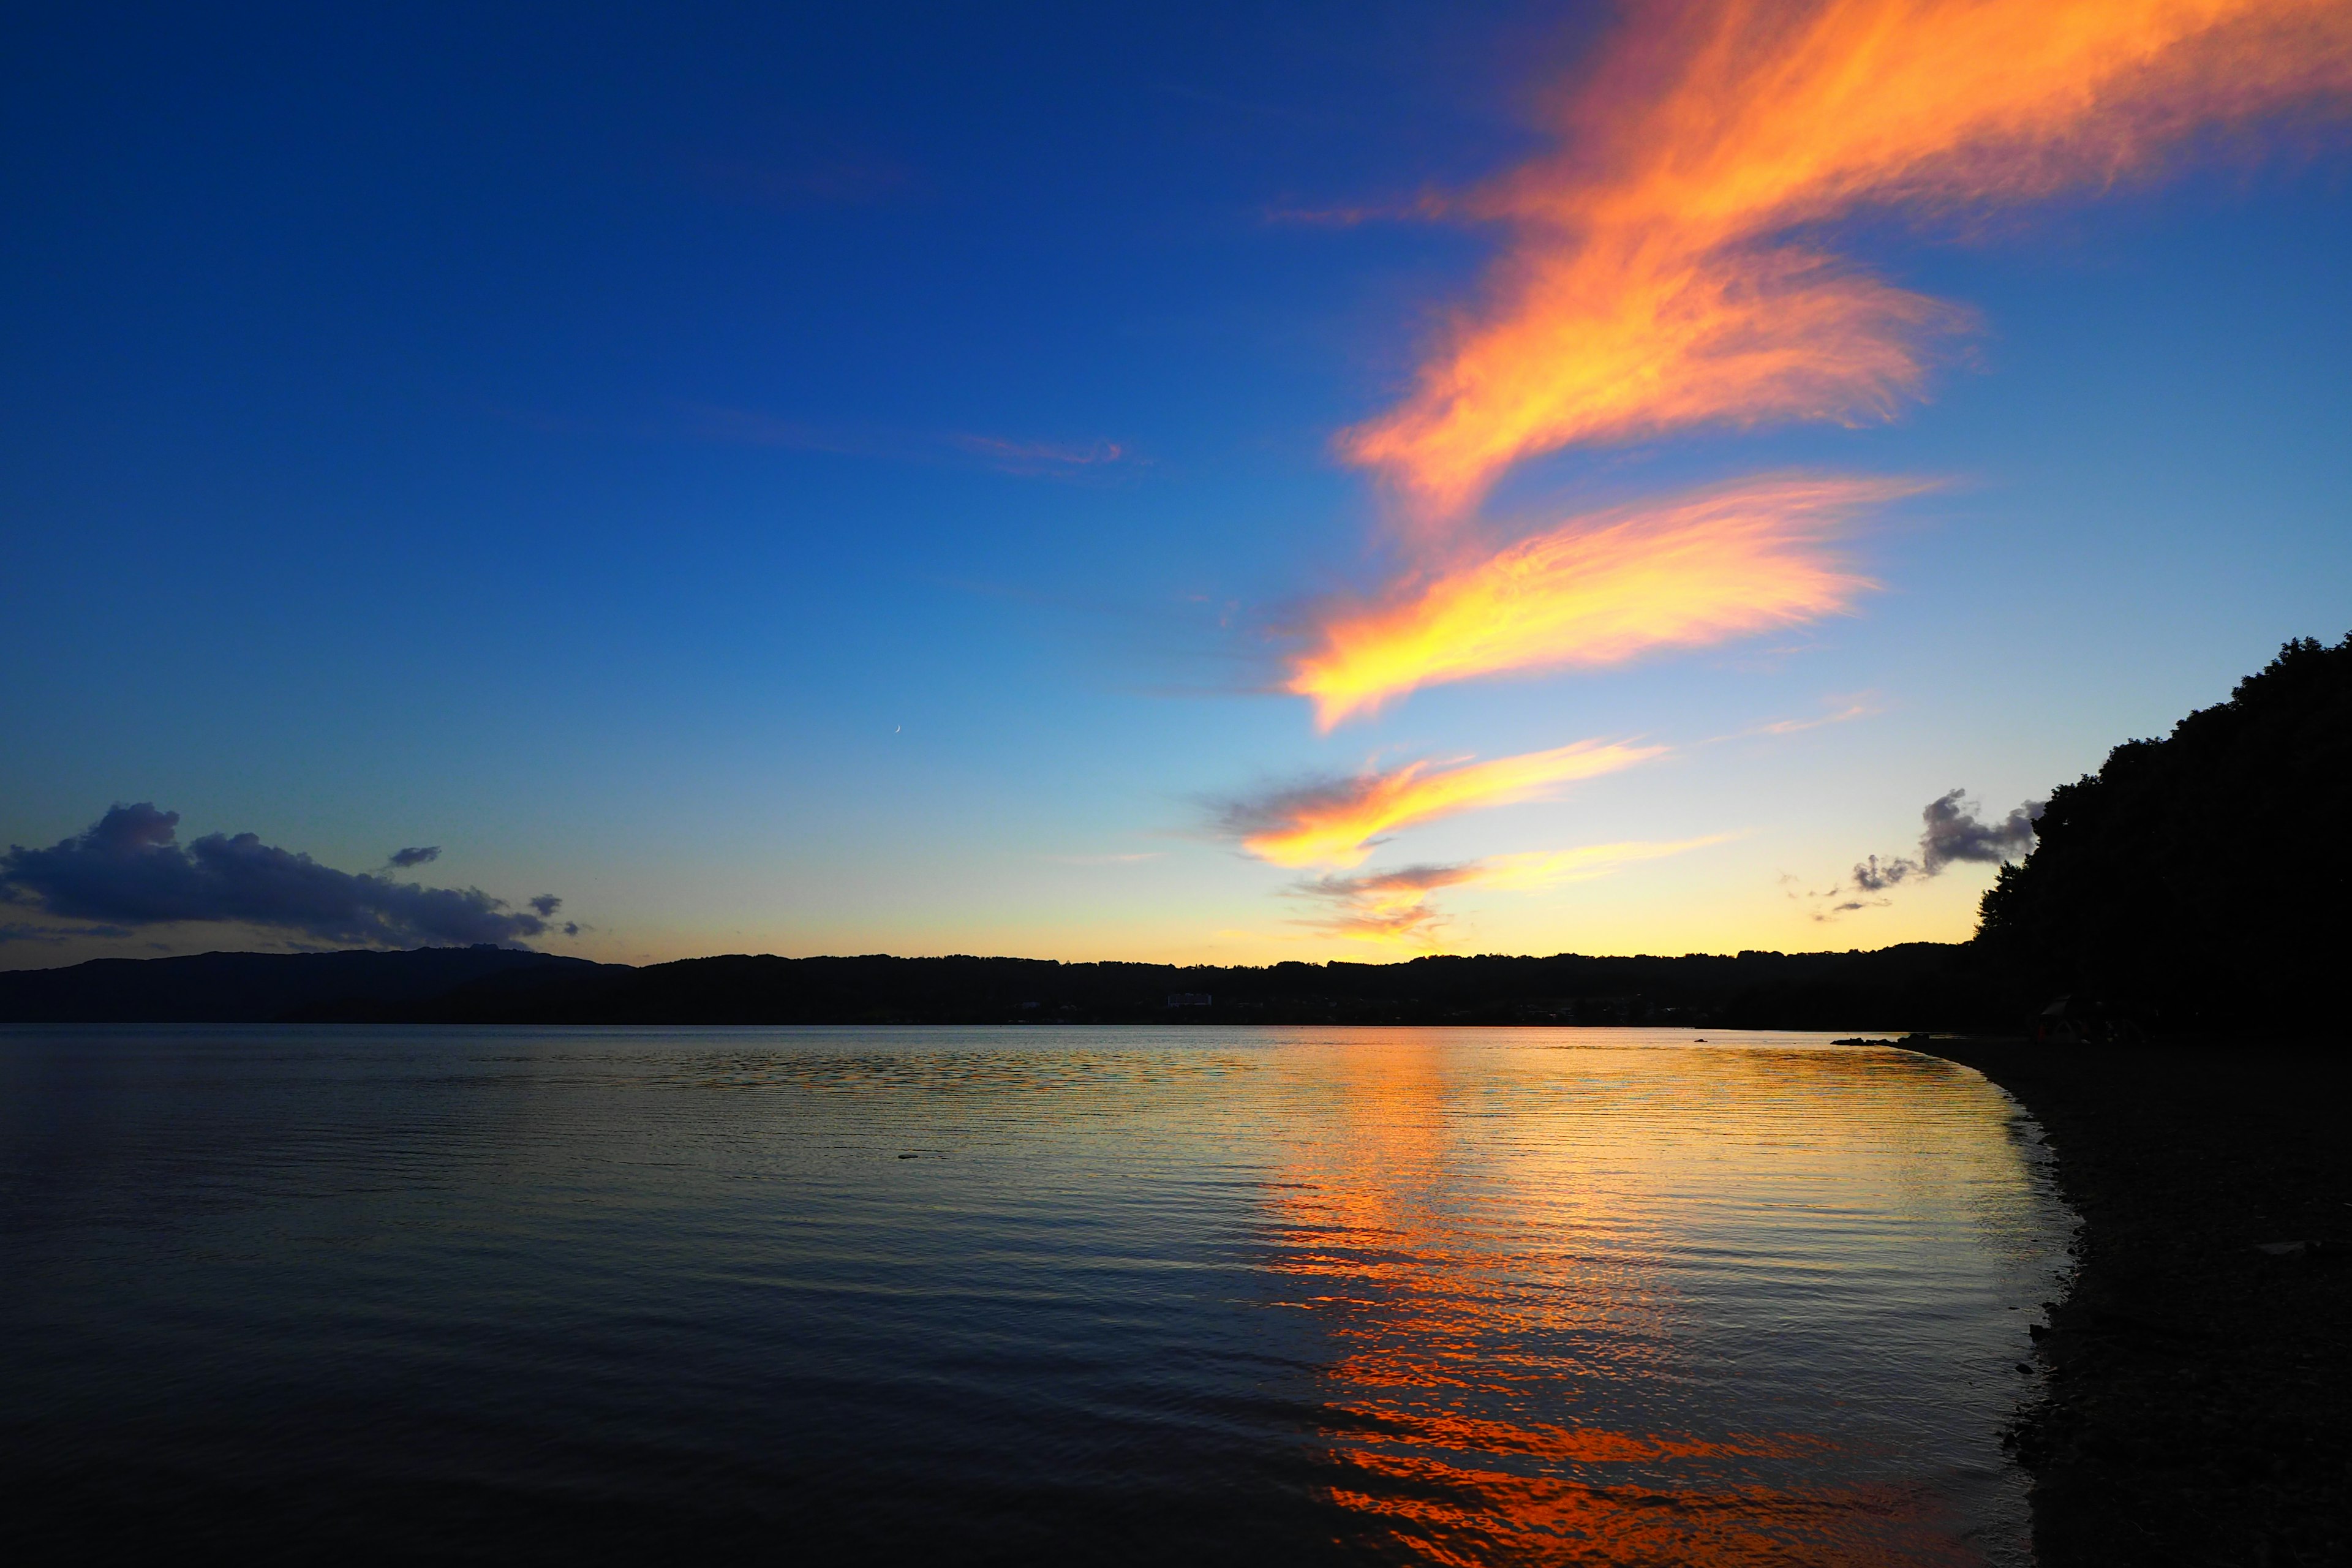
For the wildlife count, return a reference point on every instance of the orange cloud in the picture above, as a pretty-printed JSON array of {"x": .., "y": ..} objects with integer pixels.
[
  {"x": 1649, "y": 283},
  {"x": 1845, "y": 715},
  {"x": 1599, "y": 589},
  {"x": 1335, "y": 822},
  {"x": 1393, "y": 906}
]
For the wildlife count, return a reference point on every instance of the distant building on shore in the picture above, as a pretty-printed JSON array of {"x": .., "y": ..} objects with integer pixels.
[{"x": 1188, "y": 998}]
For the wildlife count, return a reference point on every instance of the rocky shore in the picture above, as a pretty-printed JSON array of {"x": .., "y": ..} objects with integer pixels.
[{"x": 2195, "y": 1384}]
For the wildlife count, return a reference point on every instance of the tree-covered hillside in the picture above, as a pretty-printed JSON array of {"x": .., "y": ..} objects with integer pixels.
[{"x": 2200, "y": 881}]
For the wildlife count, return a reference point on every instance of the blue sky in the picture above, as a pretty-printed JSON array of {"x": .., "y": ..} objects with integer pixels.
[{"x": 787, "y": 482}]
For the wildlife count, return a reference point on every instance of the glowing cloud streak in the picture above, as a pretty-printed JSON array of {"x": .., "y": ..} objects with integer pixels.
[
  {"x": 1393, "y": 906},
  {"x": 1650, "y": 284},
  {"x": 1601, "y": 589},
  {"x": 1336, "y": 822}
]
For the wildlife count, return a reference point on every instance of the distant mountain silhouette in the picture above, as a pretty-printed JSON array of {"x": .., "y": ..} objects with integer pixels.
[
  {"x": 261, "y": 987},
  {"x": 2202, "y": 882}
]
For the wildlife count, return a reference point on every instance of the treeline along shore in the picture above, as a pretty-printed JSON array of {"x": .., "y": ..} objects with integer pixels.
[{"x": 1920, "y": 984}]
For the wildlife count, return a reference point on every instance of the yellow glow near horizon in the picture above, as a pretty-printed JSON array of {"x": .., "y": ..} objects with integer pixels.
[{"x": 1393, "y": 906}]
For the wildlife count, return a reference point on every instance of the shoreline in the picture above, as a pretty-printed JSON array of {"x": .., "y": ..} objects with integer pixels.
[{"x": 2192, "y": 1388}]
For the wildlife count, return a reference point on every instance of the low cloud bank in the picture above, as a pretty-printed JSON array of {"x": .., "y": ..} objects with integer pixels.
[{"x": 128, "y": 870}]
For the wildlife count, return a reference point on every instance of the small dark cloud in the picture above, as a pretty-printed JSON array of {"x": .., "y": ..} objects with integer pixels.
[
  {"x": 1951, "y": 831},
  {"x": 546, "y": 904},
  {"x": 1283, "y": 806},
  {"x": 1849, "y": 907},
  {"x": 571, "y": 928},
  {"x": 128, "y": 870},
  {"x": 1391, "y": 905},
  {"x": 1409, "y": 880},
  {"x": 1875, "y": 875},
  {"x": 401, "y": 860},
  {"x": 1955, "y": 833}
]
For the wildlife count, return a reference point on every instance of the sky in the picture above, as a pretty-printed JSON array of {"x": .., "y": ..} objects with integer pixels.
[{"x": 1207, "y": 484}]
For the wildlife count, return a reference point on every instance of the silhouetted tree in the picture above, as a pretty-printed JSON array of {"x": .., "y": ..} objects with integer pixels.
[{"x": 2200, "y": 881}]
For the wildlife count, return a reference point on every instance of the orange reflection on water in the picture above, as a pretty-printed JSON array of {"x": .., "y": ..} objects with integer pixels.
[
  {"x": 1471, "y": 1518},
  {"x": 1488, "y": 1282}
]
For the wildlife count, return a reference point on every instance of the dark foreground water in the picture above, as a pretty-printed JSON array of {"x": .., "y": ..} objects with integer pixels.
[{"x": 1290, "y": 1295}]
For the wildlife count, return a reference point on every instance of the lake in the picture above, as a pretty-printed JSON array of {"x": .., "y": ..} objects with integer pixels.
[{"x": 1288, "y": 1295}]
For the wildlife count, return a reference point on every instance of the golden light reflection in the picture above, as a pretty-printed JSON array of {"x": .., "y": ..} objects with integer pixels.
[
  {"x": 1650, "y": 284},
  {"x": 1599, "y": 590},
  {"x": 1501, "y": 1322}
]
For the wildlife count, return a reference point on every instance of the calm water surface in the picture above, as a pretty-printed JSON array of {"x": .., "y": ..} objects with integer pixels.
[{"x": 1296, "y": 1295}]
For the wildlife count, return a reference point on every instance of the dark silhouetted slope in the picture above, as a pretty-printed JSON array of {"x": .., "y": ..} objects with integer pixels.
[
  {"x": 259, "y": 987},
  {"x": 2202, "y": 882}
]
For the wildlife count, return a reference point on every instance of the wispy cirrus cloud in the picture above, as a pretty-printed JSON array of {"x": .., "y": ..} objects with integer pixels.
[
  {"x": 1051, "y": 457},
  {"x": 1393, "y": 906},
  {"x": 1666, "y": 268},
  {"x": 1599, "y": 589},
  {"x": 1670, "y": 266},
  {"x": 1023, "y": 457},
  {"x": 1427, "y": 204},
  {"x": 1337, "y": 821},
  {"x": 1843, "y": 710}
]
